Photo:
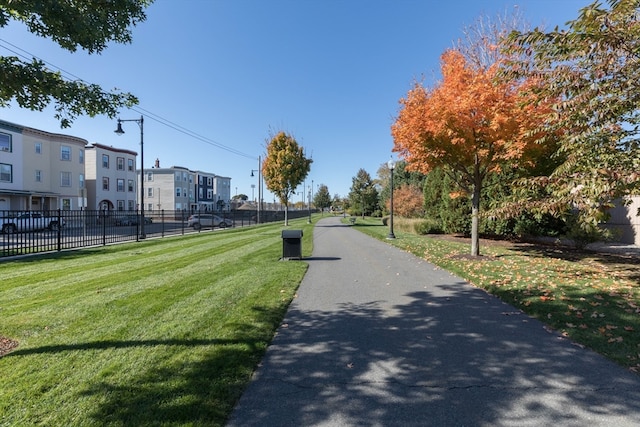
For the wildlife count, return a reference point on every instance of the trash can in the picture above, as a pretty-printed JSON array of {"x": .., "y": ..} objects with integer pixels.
[{"x": 291, "y": 244}]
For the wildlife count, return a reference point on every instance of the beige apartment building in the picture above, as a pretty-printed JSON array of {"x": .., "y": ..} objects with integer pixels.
[
  {"x": 111, "y": 178},
  {"x": 40, "y": 170}
]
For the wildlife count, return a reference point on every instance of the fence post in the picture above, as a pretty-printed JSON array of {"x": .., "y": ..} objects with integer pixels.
[
  {"x": 59, "y": 233},
  {"x": 104, "y": 228}
]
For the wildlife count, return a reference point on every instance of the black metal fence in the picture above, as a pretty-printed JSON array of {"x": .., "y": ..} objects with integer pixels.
[{"x": 33, "y": 232}]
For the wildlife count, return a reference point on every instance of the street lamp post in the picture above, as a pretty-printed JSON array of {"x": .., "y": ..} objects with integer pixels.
[
  {"x": 259, "y": 170},
  {"x": 310, "y": 198},
  {"x": 391, "y": 164},
  {"x": 120, "y": 131}
]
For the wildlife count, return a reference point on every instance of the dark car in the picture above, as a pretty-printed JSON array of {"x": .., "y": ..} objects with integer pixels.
[{"x": 132, "y": 220}]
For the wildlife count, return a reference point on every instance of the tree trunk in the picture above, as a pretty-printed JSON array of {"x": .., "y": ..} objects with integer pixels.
[
  {"x": 286, "y": 214},
  {"x": 475, "y": 211}
]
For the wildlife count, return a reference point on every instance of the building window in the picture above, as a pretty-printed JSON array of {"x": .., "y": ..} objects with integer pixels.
[
  {"x": 120, "y": 205},
  {"x": 105, "y": 161},
  {"x": 130, "y": 165},
  {"x": 81, "y": 156},
  {"x": 150, "y": 176},
  {"x": 210, "y": 182},
  {"x": 6, "y": 172},
  {"x": 178, "y": 192},
  {"x": 130, "y": 205},
  {"x": 65, "y": 153},
  {"x": 120, "y": 163},
  {"x": 65, "y": 179},
  {"x": 38, "y": 147},
  {"x": 105, "y": 183},
  {"x": 200, "y": 179},
  {"x": 190, "y": 179},
  {"x": 81, "y": 181},
  {"x": 177, "y": 176},
  {"x": 66, "y": 204},
  {"x": 5, "y": 142},
  {"x": 120, "y": 184},
  {"x": 209, "y": 194},
  {"x": 38, "y": 176},
  {"x": 200, "y": 193},
  {"x": 149, "y": 192},
  {"x": 130, "y": 186}
]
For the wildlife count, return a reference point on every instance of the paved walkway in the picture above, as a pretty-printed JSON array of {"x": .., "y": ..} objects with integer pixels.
[{"x": 378, "y": 337}]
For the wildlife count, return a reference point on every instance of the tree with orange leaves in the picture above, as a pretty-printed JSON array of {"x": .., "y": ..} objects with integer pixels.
[
  {"x": 408, "y": 201},
  {"x": 471, "y": 123}
]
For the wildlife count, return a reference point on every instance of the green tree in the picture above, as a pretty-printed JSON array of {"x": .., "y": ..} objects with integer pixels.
[
  {"x": 322, "y": 198},
  {"x": 592, "y": 68},
  {"x": 284, "y": 168},
  {"x": 86, "y": 24},
  {"x": 339, "y": 203},
  {"x": 444, "y": 202},
  {"x": 363, "y": 197}
]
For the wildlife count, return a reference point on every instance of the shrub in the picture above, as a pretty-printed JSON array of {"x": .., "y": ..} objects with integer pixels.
[{"x": 414, "y": 225}]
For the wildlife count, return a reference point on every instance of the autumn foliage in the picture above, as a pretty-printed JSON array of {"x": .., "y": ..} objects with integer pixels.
[
  {"x": 407, "y": 201},
  {"x": 471, "y": 124}
]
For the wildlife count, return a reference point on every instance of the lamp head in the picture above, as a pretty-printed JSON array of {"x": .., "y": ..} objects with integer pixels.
[
  {"x": 119, "y": 130},
  {"x": 391, "y": 164}
]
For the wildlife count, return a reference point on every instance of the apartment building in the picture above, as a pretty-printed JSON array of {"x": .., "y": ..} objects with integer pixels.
[
  {"x": 213, "y": 192},
  {"x": 111, "y": 178},
  {"x": 40, "y": 170},
  {"x": 169, "y": 188},
  {"x": 179, "y": 188}
]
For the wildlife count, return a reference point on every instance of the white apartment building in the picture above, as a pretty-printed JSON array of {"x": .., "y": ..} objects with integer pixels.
[
  {"x": 179, "y": 188},
  {"x": 222, "y": 191},
  {"x": 169, "y": 188},
  {"x": 111, "y": 178},
  {"x": 40, "y": 170}
]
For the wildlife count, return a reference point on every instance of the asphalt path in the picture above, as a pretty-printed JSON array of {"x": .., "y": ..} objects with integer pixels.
[{"x": 379, "y": 337}]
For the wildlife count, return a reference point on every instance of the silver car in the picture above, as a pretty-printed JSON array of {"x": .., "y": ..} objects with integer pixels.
[{"x": 197, "y": 221}]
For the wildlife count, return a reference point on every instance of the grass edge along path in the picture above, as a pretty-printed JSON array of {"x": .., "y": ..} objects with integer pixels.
[
  {"x": 592, "y": 299},
  {"x": 161, "y": 332}
]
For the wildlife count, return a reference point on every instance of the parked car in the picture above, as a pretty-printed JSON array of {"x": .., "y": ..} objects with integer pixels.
[
  {"x": 197, "y": 221},
  {"x": 29, "y": 221},
  {"x": 132, "y": 220}
]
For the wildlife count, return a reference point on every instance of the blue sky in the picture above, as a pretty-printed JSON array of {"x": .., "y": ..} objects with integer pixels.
[{"x": 330, "y": 72}]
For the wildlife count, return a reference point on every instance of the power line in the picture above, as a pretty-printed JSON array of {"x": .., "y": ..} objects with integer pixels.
[{"x": 72, "y": 77}]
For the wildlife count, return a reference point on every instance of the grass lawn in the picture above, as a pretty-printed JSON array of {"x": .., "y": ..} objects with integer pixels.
[
  {"x": 161, "y": 332},
  {"x": 591, "y": 298}
]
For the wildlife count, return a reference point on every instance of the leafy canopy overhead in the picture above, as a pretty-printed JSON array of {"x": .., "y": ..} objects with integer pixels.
[
  {"x": 79, "y": 24},
  {"x": 592, "y": 69}
]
